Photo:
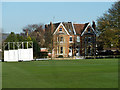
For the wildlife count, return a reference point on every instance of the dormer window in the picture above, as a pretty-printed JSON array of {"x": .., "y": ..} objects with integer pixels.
[
  {"x": 69, "y": 30},
  {"x": 89, "y": 39},
  {"x": 60, "y": 29},
  {"x": 89, "y": 30}
]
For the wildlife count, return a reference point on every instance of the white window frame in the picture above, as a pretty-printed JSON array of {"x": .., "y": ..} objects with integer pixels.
[{"x": 58, "y": 50}]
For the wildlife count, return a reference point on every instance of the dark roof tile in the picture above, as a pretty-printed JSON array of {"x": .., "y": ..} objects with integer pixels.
[{"x": 79, "y": 28}]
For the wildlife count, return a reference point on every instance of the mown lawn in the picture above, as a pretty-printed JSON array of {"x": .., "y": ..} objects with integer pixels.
[{"x": 86, "y": 73}]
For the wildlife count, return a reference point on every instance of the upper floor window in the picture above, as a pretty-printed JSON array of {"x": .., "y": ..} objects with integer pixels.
[
  {"x": 60, "y": 29},
  {"x": 61, "y": 39},
  {"x": 78, "y": 38},
  {"x": 70, "y": 39}
]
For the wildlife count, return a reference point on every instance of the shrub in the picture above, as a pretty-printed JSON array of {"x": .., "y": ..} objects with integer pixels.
[{"x": 43, "y": 55}]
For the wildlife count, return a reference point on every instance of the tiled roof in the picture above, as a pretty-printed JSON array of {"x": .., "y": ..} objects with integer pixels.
[
  {"x": 67, "y": 25},
  {"x": 55, "y": 25},
  {"x": 80, "y": 27}
]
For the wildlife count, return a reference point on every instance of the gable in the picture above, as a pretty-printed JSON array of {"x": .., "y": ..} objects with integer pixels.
[
  {"x": 88, "y": 30},
  {"x": 63, "y": 29},
  {"x": 69, "y": 27}
]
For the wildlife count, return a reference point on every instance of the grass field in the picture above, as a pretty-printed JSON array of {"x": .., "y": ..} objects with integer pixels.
[{"x": 86, "y": 73}]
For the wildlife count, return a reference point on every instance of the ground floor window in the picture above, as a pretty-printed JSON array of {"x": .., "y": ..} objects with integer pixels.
[
  {"x": 89, "y": 50},
  {"x": 61, "y": 49}
]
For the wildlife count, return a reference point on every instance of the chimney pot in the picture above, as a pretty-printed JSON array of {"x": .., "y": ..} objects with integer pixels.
[{"x": 51, "y": 25}]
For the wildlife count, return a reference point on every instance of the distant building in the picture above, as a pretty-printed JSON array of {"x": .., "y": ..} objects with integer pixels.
[{"x": 71, "y": 39}]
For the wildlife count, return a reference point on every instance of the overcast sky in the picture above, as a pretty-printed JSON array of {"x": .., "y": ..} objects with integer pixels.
[{"x": 16, "y": 15}]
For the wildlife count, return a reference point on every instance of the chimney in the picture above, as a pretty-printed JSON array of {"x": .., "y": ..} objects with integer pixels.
[
  {"x": 46, "y": 28},
  {"x": 93, "y": 25},
  {"x": 51, "y": 27}
]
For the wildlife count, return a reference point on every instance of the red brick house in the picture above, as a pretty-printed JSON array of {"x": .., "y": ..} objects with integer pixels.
[{"x": 72, "y": 39}]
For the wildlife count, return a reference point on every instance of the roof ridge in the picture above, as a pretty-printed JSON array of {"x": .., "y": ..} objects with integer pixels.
[{"x": 78, "y": 23}]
